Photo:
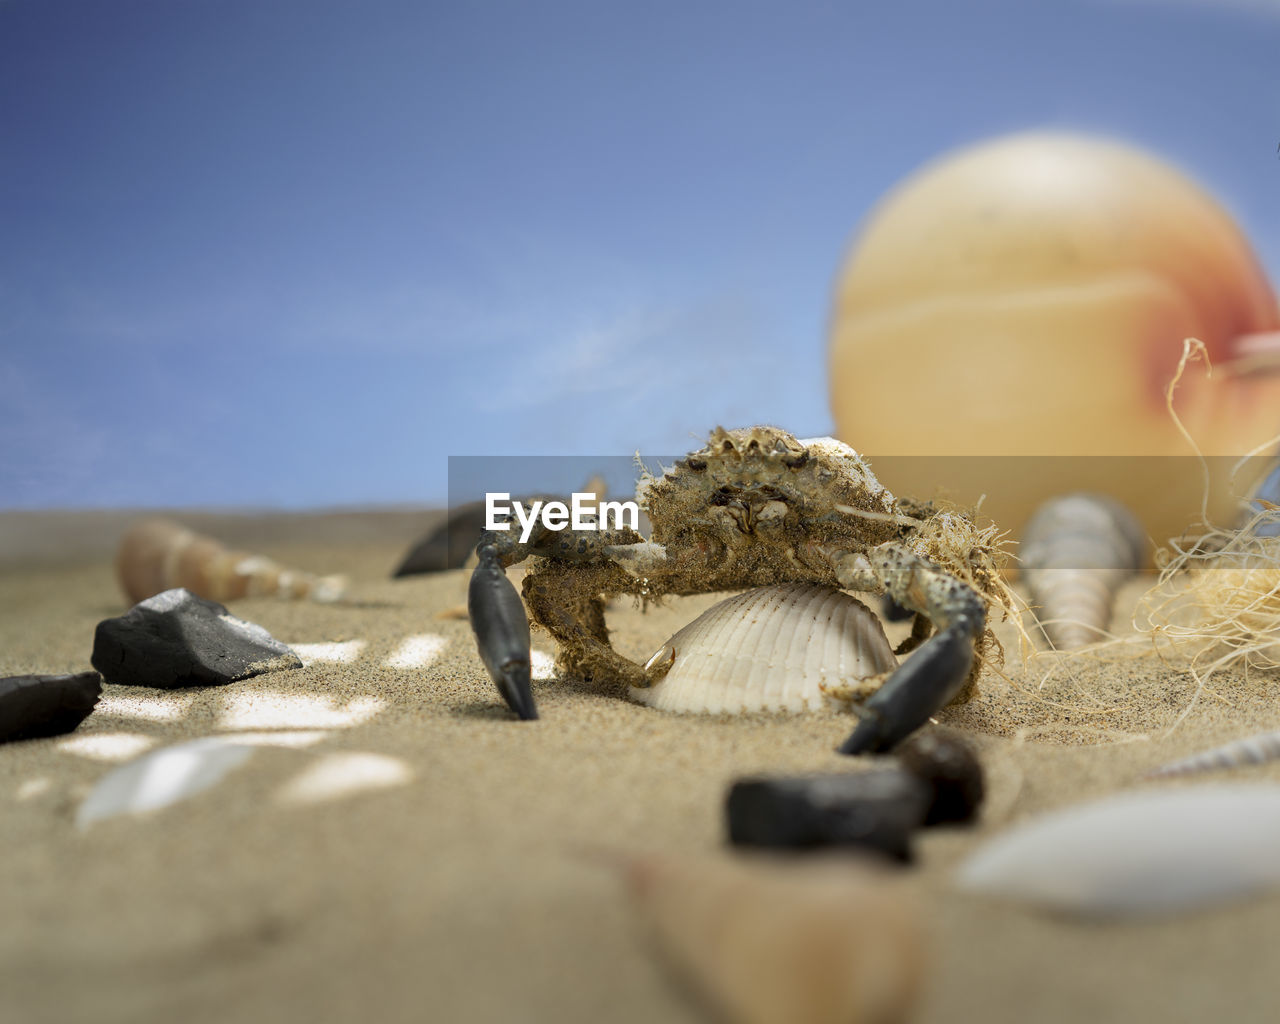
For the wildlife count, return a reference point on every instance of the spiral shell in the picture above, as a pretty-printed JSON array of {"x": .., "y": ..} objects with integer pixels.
[
  {"x": 1257, "y": 749},
  {"x": 1077, "y": 550},
  {"x": 771, "y": 942},
  {"x": 159, "y": 554},
  {"x": 777, "y": 648}
]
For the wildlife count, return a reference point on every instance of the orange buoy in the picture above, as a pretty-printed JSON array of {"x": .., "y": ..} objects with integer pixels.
[{"x": 1010, "y": 317}]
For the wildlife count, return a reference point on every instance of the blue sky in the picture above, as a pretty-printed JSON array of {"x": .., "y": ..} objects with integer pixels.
[{"x": 298, "y": 252}]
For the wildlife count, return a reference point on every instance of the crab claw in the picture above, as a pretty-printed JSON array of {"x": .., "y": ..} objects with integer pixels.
[
  {"x": 923, "y": 684},
  {"x": 502, "y": 631}
]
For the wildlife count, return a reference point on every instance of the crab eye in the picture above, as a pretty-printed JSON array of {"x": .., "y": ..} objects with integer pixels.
[{"x": 695, "y": 464}]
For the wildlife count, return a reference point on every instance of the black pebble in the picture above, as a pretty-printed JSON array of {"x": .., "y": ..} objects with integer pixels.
[
  {"x": 951, "y": 768},
  {"x": 36, "y": 706},
  {"x": 448, "y": 546},
  {"x": 877, "y": 810},
  {"x": 177, "y": 639}
]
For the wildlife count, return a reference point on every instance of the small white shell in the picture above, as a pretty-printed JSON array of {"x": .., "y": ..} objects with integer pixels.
[
  {"x": 1076, "y": 552},
  {"x": 1252, "y": 750},
  {"x": 1137, "y": 854},
  {"x": 161, "y": 778},
  {"x": 770, "y": 649}
]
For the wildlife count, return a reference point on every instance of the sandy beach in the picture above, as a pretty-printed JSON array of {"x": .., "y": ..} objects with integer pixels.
[{"x": 398, "y": 848}]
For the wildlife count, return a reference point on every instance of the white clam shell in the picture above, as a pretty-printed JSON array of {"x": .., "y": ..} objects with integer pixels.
[
  {"x": 770, "y": 649},
  {"x": 1137, "y": 854}
]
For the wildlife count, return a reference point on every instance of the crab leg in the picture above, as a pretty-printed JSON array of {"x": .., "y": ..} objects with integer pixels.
[
  {"x": 566, "y": 599},
  {"x": 924, "y": 684},
  {"x": 937, "y": 671},
  {"x": 502, "y": 630},
  {"x": 497, "y": 614}
]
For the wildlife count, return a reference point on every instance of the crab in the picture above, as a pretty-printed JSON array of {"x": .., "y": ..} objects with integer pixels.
[{"x": 753, "y": 507}]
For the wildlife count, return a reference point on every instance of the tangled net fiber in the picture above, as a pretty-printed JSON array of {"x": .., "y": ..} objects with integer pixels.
[{"x": 1216, "y": 603}]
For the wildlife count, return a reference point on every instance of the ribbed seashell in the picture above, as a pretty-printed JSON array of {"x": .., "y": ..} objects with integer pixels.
[
  {"x": 1077, "y": 551},
  {"x": 808, "y": 942},
  {"x": 1257, "y": 749},
  {"x": 774, "y": 648},
  {"x": 1137, "y": 854},
  {"x": 156, "y": 555}
]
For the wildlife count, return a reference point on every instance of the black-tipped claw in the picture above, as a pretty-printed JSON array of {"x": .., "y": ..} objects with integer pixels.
[
  {"x": 513, "y": 683},
  {"x": 894, "y": 612},
  {"x": 502, "y": 632},
  {"x": 923, "y": 684}
]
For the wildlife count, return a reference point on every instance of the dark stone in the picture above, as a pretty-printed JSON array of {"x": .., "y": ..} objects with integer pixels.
[
  {"x": 876, "y": 810},
  {"x": 950, "y": 766},
  {"x": 449, "y": 545},
  {"x": 36, "y": 706},
  {"x": 177, "y": 639}
]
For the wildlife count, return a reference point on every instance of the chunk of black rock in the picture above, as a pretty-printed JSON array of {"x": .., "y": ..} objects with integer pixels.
[
  {"x": 448, "y": 546},
  {"x": 177, "y": 639},
  {"x": 451, "y": 543},
  {"x": 35, "y": 706},
  {"x": 951, "y": 767},
  {"x": 876, "y": 810}
]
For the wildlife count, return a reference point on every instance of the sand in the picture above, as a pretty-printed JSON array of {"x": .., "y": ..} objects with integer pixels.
[{"x": 411, "y": 853}]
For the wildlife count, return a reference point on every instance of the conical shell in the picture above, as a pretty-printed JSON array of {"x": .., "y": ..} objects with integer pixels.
[
  {"x": 1257, "y": 749},
  {"x": 1077, "y": 551},
  {"x": 818, "y": 942},
  {"x": 769, "y": 649},
  {"x": 156, "y": 555}
]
